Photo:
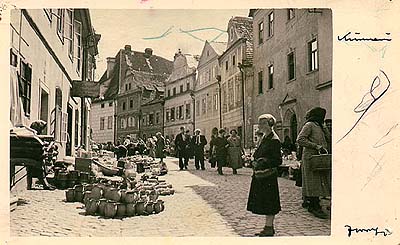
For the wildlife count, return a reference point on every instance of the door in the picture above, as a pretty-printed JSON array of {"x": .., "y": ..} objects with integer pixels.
[{"x": 69, "y": 132}]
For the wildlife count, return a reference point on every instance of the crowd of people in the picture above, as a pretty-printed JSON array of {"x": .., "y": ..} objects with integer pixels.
[{"x": 225, "y": 150}]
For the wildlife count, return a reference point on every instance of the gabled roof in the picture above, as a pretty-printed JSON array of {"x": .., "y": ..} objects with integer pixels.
[
  {"x": 219, "y": 47},
  {"x": 243, "y": 27},
  {"x": 153, "y": 64}
]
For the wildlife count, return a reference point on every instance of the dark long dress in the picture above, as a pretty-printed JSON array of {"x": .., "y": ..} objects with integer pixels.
[{"x": 264, "y": 192}]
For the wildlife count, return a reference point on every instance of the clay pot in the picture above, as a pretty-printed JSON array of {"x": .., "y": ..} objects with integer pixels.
[
  {"x": 110, "y": 209},
  {"x": 78, "y": 196},
  {"x": 97, "y": 192},
  {"x": 153, "y": 196},
  {"x": 84, "y": 177},
  {"x": 91, "y": 206},
  {"x": 130, "y": 197},
  {"x": 62, "y": 180},
  {"x": 114, "y": 194},
  {"x": 78, "y": 188},
  {"x": 159, "y": 206},
  {"x": 73, "y": 175},
  {"x": 121, "y": 210},
  {"x": 70, "y": 195},
  {"x": 102, "y": 206},
  {"x": 149, "y": 207},
  {"x": 87, "y": 195},
  {"x": 130, "y": 209},
  {"x": 140, "y": 208},
  {"x": 123, "y": 195},
  {"x": 106, "y": 190}
]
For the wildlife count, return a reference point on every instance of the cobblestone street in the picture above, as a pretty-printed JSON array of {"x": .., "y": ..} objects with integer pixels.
[{"x": 204, "y": 204}]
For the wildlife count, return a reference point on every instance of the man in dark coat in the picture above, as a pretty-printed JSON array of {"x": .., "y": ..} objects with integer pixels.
[
  {"x": 198, "y": 142},
  {"x": 180, "y": 147}
]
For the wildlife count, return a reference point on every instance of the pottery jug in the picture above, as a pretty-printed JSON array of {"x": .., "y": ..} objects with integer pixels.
[
  {"x": 130, "y": 197},
  {"x": 70, "y": 195},
  {"x": 110, "y": 209},
  {"x": 121, "y": 209},
  {"x": 78, "y": 196},
  {"x": 114, "y": 194},
  {"x": 102, "y": 205},
  {"x": 158, "y": 206},
  {"x": 149, "y": 207},
  {"x": 91, "y": 206},
  {"x": 153, "y": 196},
  {"x": 84, "y": 177},
  {"x": 87, "y": 195},
  {"x": 130, "y": 209},
  {"x": 106, "y": 190},
  {"x": 62, "y": 180},
  {"x": 96, "y": 192},
  {"x": 123, "y": 195},
  {"x": 140, "y": 208},
  {"x": 87, "y": 187}
]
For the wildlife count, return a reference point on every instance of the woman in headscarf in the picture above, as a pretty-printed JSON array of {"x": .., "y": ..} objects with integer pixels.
[
  {"x": 235, "y": 151},
  {"x": 314, "y": 139},
  {"x": 264, "y": 192}
]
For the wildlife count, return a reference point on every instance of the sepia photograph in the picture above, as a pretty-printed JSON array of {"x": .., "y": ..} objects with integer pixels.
[{"x": 170, "y": 123}]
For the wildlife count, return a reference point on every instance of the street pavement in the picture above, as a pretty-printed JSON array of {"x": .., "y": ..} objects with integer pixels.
[{"x": 204, "y": 204}]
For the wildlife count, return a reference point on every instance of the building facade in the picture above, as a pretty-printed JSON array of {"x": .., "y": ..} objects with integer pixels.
[
  {"x": 207, "y": 89},
  {"x": 237, "y": 77},
  {"x": 152, "y": 116},
  {"x": 292, "y": 65},
  {"x": 51, "y": 48},
  {"x": 133, "y": 79},
  {"x": 179, "y": 98}
]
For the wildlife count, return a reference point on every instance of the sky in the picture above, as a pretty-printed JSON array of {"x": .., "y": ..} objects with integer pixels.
[{"x": 165, "y": 31}]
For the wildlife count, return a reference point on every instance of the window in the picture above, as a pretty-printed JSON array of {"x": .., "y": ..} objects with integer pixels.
[
  {"x": 129, "y": 86},
  {"x": 109, "y": 122},
  {"x": 291, "y": 66},
  {"x": 123, "y": 106},
  {"x": 69, "y": 32},
  {"x": 238, "y": 92},
  {"x": 151, "y": 119},
  {"x": 25, "y": 85},
  {"x": 270, "y": 76},
  {"x": 169, "y": 93},
  {"x": 78, "y": 44},
  {"x": 126, "y": 87},
  {"x": 76, "y": 127},
  {"x": 181, "y": 88},
  {"x": 187, "y": 86},
  {"x": 290, "y": 14},
  {"x": 313, "y": 55},
  {"x": 260, "y": 82},
  {"x": 131, "y": 103},
  {"x": 157, "y": 117},
  {"x": 203, "y": 106},
  {"x": 271, "y": 24},
  {"x": 172, "y": 113},
  {"x": 60, "y": 23},
  {"x": 102, "y": 105},
  {"x": 167, "y": 115},
  {"x": 102, "y": 120},
  {"x": 180, "y": 112},
  {"x": 13, "y": 58},
  {"x": 123, "y": 123},
  {"x": 174, "y": 91},
  {"x": 197, "y": 108},
  {"x": 260, "y": 32},
  {"x": 187, "y": 111},
  {"x": 56, "y": 121},
  {"x": 226, "y": 65},
  {"x": 110, "y": 104},
  {"x": 215, "y": 101},
  {"x": 234, "y": 60}
]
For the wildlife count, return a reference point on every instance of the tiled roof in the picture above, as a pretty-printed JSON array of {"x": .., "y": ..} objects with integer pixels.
[
  {"x": 152, "y": 64},
  {"x": 244, "y": 29},
  {"x": 109, "y": 86},
  {"x": 219, "y": 47}
]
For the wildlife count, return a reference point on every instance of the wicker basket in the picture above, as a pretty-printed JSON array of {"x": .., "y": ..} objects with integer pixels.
[{"x": 321, "y": 162}]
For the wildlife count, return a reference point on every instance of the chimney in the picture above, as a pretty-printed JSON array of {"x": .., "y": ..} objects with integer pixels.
[
  {"x": 128, "y": 48},
  {"x": 110, "y": 65},
  {"x": 148, "y": 52}
]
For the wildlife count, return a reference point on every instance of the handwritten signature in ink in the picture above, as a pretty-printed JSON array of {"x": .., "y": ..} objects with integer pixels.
[
  {"x": 377, "y": 90},
  {"x": 351, "y": 230},
  {"x": 347, "y": 38}
]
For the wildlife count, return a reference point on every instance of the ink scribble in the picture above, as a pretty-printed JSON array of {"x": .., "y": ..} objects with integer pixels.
[
  {"x": 376, "y": 231},
  {"x": 374, "y": 171},
  {"x": 190, "y": 33},
  {"x": 166, "y": 33},
  {"x": 377, "y": 90},
  {"x": 384, "y": 139}
]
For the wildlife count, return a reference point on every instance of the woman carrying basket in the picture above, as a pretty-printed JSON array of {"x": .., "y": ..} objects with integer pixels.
[{"x": 314, "y": 138}]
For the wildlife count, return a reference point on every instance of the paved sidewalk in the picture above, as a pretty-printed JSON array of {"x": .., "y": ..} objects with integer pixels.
[
  {"x": 229, "y": 197},
  {"x": 186, "y": 214}
]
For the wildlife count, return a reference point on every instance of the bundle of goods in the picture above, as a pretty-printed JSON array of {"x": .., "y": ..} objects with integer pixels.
[{"x": 121, "y": 198}]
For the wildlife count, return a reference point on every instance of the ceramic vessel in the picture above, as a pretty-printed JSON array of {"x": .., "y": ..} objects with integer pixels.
[
  {"x": 149, "y": 207},
  {"x": 101, "y": 206},
  {"x": 158, "y": 206},
  {"x": 70, "y": 195},
  {"x": 114, "y": 194},
  {"x": 91, "y": 206},
  {"x": 130, "y": 209},
  {"x": 121, "y": 209},
  {"x": 110, "y": 209},
  {"x": 140, "y": 208}
]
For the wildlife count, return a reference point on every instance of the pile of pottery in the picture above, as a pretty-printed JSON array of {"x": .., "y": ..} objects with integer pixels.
[
  {"x": 154, "y": 184},
  {"x": 110, "y": 201},
  {"x": 67, "y": 179}
]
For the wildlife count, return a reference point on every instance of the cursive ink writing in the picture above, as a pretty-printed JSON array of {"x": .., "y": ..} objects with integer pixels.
[
  {"x": 377, "y": 90},
  {"x": 351, "y": 230},
  {"x": 347, "y": 38}
]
